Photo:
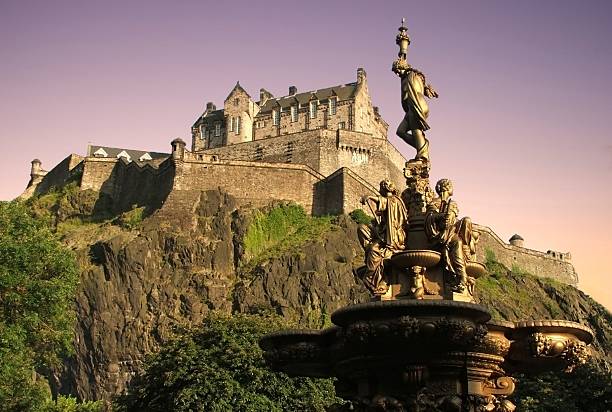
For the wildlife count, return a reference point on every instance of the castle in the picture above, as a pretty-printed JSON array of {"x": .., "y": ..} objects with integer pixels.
[{"x": 323, "y": 149}]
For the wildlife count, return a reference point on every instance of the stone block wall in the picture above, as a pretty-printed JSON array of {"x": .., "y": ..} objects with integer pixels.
[
  {"x": 254, "y": 183},
  {"x": 520, "y": 258},
  {"x": 64, "y": 171},
  {"x": 344, "y": 190},
  {"x": 302, "y": 148},
  {"x": 325, "y": 151}
]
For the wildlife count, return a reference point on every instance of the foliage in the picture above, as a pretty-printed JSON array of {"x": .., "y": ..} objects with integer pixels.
[
  {"x": 360, "y": 216},
  {"x": 38, "y": 280},
  {"x": 585, "y": 389},
  {"x": 219, "y": 367},
  {"x": 495, "y": 268},
  {"x": 70, "y": 404},
  {"x": 132, "y": 218},
  {"x": 45, "y": 206},
  {"x": 280, "y": 229}
]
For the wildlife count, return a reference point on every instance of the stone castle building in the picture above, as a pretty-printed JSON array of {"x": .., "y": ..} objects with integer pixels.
[{"x": 323, "y": 149}]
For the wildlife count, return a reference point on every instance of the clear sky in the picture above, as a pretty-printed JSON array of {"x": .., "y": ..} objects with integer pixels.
[{"x": 522, "y": 125}]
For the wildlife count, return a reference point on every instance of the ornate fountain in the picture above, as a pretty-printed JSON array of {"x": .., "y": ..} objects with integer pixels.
[{"x": 422, "y": 344}]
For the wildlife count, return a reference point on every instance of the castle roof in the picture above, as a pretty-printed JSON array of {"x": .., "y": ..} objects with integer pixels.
[
  {"x": 343, "y": 92},
  {"x": 239, "y": 88},
  {"x": 516, "y": 237},
  {"x": 214, "y": 115},
  {"x": 128, "y": 154}
]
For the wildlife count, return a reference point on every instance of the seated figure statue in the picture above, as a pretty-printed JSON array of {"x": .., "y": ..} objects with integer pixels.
[
  {"x": 454, "y": 235},
  {"x": 384, "y": 236}
]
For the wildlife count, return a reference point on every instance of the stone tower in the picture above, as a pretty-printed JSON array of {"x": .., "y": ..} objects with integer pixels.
[{"x": 239, "y": 110}]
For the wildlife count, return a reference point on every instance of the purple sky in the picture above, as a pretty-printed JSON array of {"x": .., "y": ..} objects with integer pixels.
[{"x": 522, "y": 124}]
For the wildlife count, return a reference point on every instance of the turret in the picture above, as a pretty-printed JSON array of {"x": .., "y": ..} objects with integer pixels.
[
  {"x": 517, "y": 240},
  {"x": 178, "y": 149},
  {"x": 36, "y": 173}
]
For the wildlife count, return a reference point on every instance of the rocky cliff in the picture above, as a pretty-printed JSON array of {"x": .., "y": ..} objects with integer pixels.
[{"x": 142, "y": 276}]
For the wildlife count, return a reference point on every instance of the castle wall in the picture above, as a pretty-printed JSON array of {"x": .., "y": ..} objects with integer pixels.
[
  {"x": 98, "y": 174},
  {"x": 65, "y": 170},
  {"x": 302, "y": 148},
  {"x": 255, "y": 183},
  {"x": 128, "y": 184},
  {"x": 344, "y": 190},
  {"x": 528, "y": 260},
  {"x": 325, "y": 151},
  {"x": 136, "y": 185}
]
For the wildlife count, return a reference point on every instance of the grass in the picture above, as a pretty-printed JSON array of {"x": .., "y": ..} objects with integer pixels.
[
  {"x": 132, "y": 218},
  {"x": 280, "y": 229},
  {"x": 360, "y": 216}
]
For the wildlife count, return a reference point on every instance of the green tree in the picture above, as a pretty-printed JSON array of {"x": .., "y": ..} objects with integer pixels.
[
  {"x": 585, "y": 389},
  {"x": 38, "y": 280},
  {"x": 219, "y": 367}
]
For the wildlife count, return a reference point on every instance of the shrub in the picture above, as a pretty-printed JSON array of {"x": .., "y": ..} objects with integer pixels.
[{"x": 360, "y": 216}]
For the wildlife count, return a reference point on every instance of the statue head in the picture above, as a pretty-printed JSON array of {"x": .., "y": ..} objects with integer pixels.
[
  {"x": 444, "y": 188},
  {"x": 387, "y": 187}
]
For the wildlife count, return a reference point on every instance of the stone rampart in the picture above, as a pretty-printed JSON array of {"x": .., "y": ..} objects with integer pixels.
[
  {"x": 325, "y": 151},
  {"x": 66, "y": 170},
  {"x": 528, "y": 260},
  {"x": 254, "y": 183}
]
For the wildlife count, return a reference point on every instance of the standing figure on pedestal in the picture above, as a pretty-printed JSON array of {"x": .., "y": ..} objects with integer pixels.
[
  {"x": 383, "y": 237},
  {"x": 414, "y": 91},
  {"x": 456, "y": 236}
]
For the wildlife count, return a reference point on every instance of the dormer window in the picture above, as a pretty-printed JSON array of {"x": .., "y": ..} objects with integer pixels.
[
  {"x": 333, "y": 102},
  {"x": 276, "y": 117},
  {"x": 313, "y": 109}
]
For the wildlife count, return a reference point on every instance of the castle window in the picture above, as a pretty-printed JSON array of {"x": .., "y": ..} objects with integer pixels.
[
  {"x": 313, "y": 109},
  {"x": 236, "y": 101},
  {"x": 294, "y": 113},
  {"x": 276, "y": 117},
  {"x": 217, "y": 129},
  {"x": 238, "y": 125},
  {"x": 342, "y": 125},
  {"x": 333, "y": 101},
  {"x": 289, "y": 152},
  {"x": 231, "y": 125}
]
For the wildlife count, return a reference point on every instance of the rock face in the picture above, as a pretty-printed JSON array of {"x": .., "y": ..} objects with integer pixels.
[{"x": 138, "y": 286}]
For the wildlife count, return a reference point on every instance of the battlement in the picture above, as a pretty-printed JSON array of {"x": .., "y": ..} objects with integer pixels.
[{"x": 551, "y": 264}]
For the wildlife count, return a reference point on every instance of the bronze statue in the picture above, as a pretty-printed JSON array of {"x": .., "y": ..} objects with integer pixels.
[
  {"x": 414, "y": 91},
  {"x": 384, "y": 236},
  {"x": 454, "y": 235}
]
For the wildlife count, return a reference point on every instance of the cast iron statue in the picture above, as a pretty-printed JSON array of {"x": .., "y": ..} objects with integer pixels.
[
  {"x": 385, "y": 236},
  {"x": 414, "y": 90},
  {"x": 455, "y": 236}
]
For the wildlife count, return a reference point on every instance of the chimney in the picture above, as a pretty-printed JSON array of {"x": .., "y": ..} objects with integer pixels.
[
  {"x": 264, "y": 96},
  {"x": 210, "y": 107},
  {"x": 292, "y": 90}
]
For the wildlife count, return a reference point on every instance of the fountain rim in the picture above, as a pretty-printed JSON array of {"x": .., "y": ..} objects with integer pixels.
[{"x": 410, "y": 307}]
